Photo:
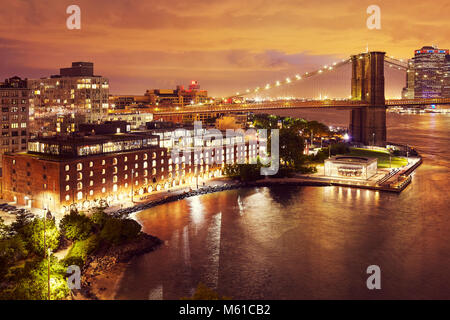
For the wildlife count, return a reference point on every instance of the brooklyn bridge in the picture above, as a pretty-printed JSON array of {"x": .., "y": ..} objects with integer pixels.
[{"x": 367, "y": 103}]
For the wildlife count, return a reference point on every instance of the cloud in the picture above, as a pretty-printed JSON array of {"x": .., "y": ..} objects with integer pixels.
[{"x": 223, "y": 44}]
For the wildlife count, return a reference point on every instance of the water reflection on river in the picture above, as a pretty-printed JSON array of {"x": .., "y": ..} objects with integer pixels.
[{"x": 308, "y": 242}]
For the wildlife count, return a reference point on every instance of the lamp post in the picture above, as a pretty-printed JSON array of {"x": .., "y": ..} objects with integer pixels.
[
  {"x": 407, "y": 154},
  {"x": 47, "y": 250},
  {"x": 132, "y": 185}
]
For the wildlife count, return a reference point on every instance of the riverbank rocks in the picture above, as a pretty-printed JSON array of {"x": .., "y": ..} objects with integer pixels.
[{"x": 108, "y": 256}]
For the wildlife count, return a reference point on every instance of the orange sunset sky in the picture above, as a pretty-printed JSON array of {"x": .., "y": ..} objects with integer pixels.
[{"x": 225, "y": 45}]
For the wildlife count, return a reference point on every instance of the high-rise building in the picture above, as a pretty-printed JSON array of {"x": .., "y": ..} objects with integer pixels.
[
  {"x": 76, "y": 92},
  {"x": 14, "y": 104},
  {"x": 429, "y": 66},
  {"x": 446, "y": 89}
]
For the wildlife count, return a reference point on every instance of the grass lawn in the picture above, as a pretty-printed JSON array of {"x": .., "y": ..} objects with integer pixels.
[{"x": 383, "y": 157}]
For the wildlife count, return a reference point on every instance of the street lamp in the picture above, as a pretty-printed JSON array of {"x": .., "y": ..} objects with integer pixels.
[
  {"x": 132, "y": 185},
  {"x": 47, "y": 215},
  {"x": 373, "y": 135}
]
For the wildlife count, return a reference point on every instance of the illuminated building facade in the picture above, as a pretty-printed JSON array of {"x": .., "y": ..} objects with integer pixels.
[
  {"x": 86, "y": 170},
  {"x": 351, "y": 167},
  {"x": 75, "y": 94},
  {"x": 446, "y": 88},
  {"x": 429, "y": 72},
  {"x": 137, "y": 120},
  {"x": 14, "y": 104}
]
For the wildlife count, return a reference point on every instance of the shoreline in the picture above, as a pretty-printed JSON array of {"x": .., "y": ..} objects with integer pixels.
[
  {"x": 268, "y": 182},
  {"x": 104, "y": 269}
]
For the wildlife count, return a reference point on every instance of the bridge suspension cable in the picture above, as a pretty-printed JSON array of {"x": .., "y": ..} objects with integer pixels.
[
  {"x": 292, "y": 79},
  {"x": 396, "y": 63}
]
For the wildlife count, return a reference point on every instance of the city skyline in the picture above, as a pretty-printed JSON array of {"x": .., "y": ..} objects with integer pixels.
[{"x": 225, "y": 46}]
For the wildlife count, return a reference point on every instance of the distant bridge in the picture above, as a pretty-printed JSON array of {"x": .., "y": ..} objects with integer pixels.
[
  {"x": 292, "y": 104},
  {"x": 367, "y": 104}
]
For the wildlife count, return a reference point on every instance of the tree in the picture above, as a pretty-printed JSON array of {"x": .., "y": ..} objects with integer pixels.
[
  {"x": 11, "y": 250},
  {"x": 99, "y": 217},
  {"x": 244, "y": 171},
  {"x": 33, "y": 232},
  {"x": 30, "y": 282},
  {"x": 291, "y": 147},
  {"x": 75, "y": 226},
  {"x": 3, "y": 229},
  {"x": 116, "y": 231}
]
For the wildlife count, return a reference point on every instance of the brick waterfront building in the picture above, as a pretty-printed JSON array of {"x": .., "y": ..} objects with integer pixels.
[{"x": 85, "y": 171}]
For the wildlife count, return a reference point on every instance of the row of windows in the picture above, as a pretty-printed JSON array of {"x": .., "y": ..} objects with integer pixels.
[{"x": 79, "y": 165}]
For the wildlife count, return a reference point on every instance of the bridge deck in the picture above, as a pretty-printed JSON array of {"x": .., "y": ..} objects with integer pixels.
[{"x": 291, "y": 104}]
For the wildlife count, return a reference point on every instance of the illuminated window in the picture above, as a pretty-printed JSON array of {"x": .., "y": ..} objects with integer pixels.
[
  {"x": 91, "y": 164},
  {"x": 126, "y": 185},
  {"x": 145, "y": 156},
  {"x": 154, "y": 155},
  {"x": 125, "y": 159},
  {"x": 103, "y": 162},
  {"x": 67, "y": 197},
  {"x": 136, "y": 157},
  {"x": 126, "y": 176},
  {"x": 91, "y": 183},
  {"x": 79, "y": 166},
  {"x": 79, "y": 185},
  {"x": 114, "y": 178},
  {"x": 103, "y": 189},
  {"x": 153, "y": 171},
  {"x": 67, "y": 177},
  {"x": 136, "y": 166},
  {"x": 125, "y": 168},
  {"x": 91, "y": 173},
  {"x": 91, "y": 192},
  {"x": 67, "y": 167},
  {"x": 154, "y": 163},
  {"x": 115, "y": 188},
  {"x": 137, "y": 182},
  {"x": 115, "y": 170},
  {"x": 80, "y": 195},
  {"x": 103, "y": 171},
  {"x": 103, "y": 180},
  {"x": 79, "y": 176},
  {"x": 67, "y": 188},
  {"x": 115, "y": 161},
  {"x": 145, "y": 164},
  {"x": 145, "y": 173}
]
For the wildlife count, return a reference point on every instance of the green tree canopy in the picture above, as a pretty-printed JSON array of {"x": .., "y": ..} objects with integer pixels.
[
  {"x": 76, "y": 226},
  {"x": 33, "y": 232}
]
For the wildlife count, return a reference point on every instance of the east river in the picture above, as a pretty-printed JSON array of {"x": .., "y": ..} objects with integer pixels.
[{"x": 308, "y": 242}]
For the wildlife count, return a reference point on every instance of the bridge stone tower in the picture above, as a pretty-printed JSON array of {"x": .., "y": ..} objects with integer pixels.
[{"x": 368, "y": 124}]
